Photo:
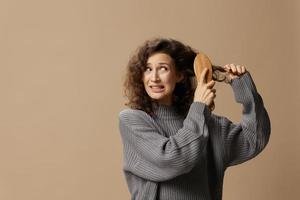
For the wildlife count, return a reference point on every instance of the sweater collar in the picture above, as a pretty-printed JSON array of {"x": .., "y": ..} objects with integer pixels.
[{"x": 165, "y": 111}]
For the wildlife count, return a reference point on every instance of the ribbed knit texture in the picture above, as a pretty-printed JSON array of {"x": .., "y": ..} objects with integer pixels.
[{"x": 173, "y": 157}]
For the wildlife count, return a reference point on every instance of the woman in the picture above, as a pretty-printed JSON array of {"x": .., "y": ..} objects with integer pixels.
[{"x": 175, "y": 148}]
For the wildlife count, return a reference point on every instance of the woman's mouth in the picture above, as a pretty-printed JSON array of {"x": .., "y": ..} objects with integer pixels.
[{"x": 158, "y": 88}]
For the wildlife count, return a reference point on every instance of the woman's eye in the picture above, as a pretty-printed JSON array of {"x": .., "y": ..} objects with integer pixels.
[{"x": 148, "y": 69}]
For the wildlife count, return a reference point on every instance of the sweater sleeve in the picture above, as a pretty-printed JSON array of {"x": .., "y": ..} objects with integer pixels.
[
  {"x": 248, "y": 138},
  {"x": 154, "y": 157}
]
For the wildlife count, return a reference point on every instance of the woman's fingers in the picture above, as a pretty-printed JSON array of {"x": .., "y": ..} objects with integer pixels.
[
  {"x": 205, "y": 92},
  {"x": 243, "y": 69},
  {"x": 235, "y": 70},
  {"x": 209, "y": 95},
  {"x": 227, "y": 68},
  {"x": 239, "y": 69},
  {"x": 210, "y": 84},
  {"x": 209, "y": 91}
]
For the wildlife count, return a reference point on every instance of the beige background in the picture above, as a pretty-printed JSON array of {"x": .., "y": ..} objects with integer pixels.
[{"x": 61, "y": 73}]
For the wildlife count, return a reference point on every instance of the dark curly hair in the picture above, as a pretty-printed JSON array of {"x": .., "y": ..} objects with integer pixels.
[{"x": 183, "y": 57}]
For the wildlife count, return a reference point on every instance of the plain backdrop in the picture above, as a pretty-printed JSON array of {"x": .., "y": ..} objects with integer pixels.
[{"x": 62, "y": 65}]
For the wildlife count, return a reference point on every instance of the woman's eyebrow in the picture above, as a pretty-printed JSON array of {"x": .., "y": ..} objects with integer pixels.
[
  {"x": 160, "y": 63},
  {"x": 163, "y": 63}
]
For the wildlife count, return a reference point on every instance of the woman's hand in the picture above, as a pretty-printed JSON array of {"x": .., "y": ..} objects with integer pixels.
[
  {"x": 204, "y": 92},
  {"x": 235, "y": 70}
]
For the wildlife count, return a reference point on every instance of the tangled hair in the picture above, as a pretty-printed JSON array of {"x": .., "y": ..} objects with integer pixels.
[{"x": 183, "y": 57}]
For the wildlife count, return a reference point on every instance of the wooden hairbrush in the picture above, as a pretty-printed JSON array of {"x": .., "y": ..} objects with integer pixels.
[{"x": 201, "y": 62}]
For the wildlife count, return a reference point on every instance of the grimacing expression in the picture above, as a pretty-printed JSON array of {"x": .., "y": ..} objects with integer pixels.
[{"x": 160, "y": 78}]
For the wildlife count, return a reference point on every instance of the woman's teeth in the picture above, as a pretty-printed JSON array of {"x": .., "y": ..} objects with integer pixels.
[{"x": 157, "y": 88}]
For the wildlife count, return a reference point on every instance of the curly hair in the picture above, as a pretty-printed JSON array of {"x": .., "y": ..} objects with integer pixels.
[{"x": 183, "y": 57}]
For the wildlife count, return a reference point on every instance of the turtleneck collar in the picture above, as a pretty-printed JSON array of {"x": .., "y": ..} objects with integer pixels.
[{"x": 165, "y": 111}]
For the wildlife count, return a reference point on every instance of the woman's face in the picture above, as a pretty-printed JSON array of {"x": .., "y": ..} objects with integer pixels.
[{"x": 160, "y": 78}]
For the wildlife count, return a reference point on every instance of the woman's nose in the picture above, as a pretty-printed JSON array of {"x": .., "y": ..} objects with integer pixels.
[{"x": 154, "y": 76}]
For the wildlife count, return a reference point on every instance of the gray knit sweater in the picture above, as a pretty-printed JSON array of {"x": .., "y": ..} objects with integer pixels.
[{"x": 172, "y": 157}]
